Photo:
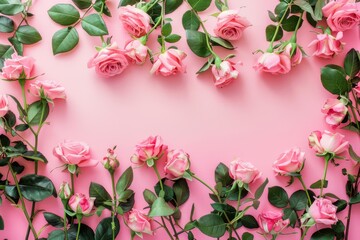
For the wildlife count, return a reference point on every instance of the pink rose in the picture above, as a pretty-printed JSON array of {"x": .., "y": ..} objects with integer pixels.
[
  {"x": 17, "y": 65},
  {"x": 139, "y": 222},
  {"x": 169, "y": 62},
  {"x": 135, "y": 21},
  {"x": 243, "y": 171},
  {"x": 230, "y": 25},
  {"x": 272, "y": 222},
  {"x": 177, "y": 163},
  {"x": 296, "y": 57},
  {"x": 335, "y": 111},
  {"x": 357, "y": 89},
  {"x": 290, "y": 161},
  {"x": 51, "y": 89},
  {"x": 225, "y": 74},
  {"x": 328, "y": 142},
  {"x": 323, "y": 211},
  {"x": 110, "y": 162},
  {"x": 64, "y": 191},
  {"x": 79, "y": 203},
  {"x": 136, "y": 51},
  {"x": 109, "y": 61},
  {"x": 327, "y": 46},
  {"x": 152, "y": 147},
  {"x": 274, "y": 63},
  {"x": 74, "y": 153},
  {"x": 4, "y": 105},
  {"x": 342, "y": 15}
]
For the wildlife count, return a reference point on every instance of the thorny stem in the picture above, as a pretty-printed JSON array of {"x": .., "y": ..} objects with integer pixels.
[
  {"x": 166, "y": 229},
  {"x": 324, "y": 176},
  {"x": 113, "y": 212},
  {"x": 173, "y": 228},
  {"x": 305, "y": 189}
]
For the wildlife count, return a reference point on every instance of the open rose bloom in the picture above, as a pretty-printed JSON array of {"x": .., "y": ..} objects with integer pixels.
[
  {"x": 224, "y": 74},
  {"x": 136, "y": 51},
  {"x": 323, "y": 211},
  {"x": 342, "y": 15},
  {"x": 272, "y": 223},
  {"x": 139, "y": 222},
  {"x": 328, "y": 142},
  {"x": 230, "y": 25},
  {"x": 135, "y": 21},
  {"x": 169, "y": 63},
  {"x": 178, "y": 161},
  {"x": 289, "y": 162},
  {"x": 51, "y": 89},
  {"x": 150, "y": 148},
  {"x": 296, "y": 56},
  {"x": 17, "y": 66},
  {"x": 4, "y": 105},
  {"x": 243, "y": 171},
  {"x": 109, "y": 61},
  {"x": 79, "y": 203},
  {"x": 275, "y": 63},
  {"x": 335, "y": 111},
  {"x": 326, "y": 45}
]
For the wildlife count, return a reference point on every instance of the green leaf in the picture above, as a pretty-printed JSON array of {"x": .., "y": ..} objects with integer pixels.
[
  {"x": 341, "y": 205},
  {"x": 36, "y": 187},
  {"x": 6, "y": 24},
  {"x": 128, "y": 205},
  {"x": 94, "y": 25},
  {"x": 318, "y": 184},
  {"x": 334, "y": 80},
  {"x": 281, "y": 9},
  {"x": 1, "y": 223},
  {"x": 64, "y": 14},
  {"x": 323, "y": 234},
  {"x": 173, "y": 38},
  {"x": 197, "y": 43},
  {"x": 82, "y": 4},
  {"x": 17, "y": 167},
  {"x": 216, "y": 41},
  {"x": 190, "y": 21},
  {"x": 160, "y": 208},
  {"x": 12, "y": 193},
  {"x": 166, "y": 29},
  {"x": 290, "y": 23},
  {"x": 11, "y": 7},
  {"x": 318, "y": 9},
  {"x": 352, "y": 63},
  {"x": 353, "y": 154},
  {"x": 10, "y": 119},
  {"x": 125, "y": 195},
  {"x": 199, "y": 5},
  {"x": 30, "y": 155},
  {"x": 278, "y": 197},
  {"x": 100, "y": 193},
  {"x": 169, "y": 192},
  {"x": 56, "y": 235},
  {"x": 270, "y": 32},
  {"x": 304, "y": 5},
  {"x": 54, "y": 220},
  {"x": 27, "y": 35},
  {"x": 247, "y": 236},
  {"x": 355, "y": 199},
  {"x": 149, "y": 196},
  {"x": 18, "y": 46},
  {"x": 64, "y": 40},
  {"x": 249, "y": 222},
  {"x": 298, "y": 200},
  {"x": 21, "y": 127},
  {"x": 272, "y": 16},
  {"x": 128, "y": 2},
  {"x": 104, "y": 229},
  {"x": 6, "y": 51},
  {"x": 206, "y": 66},
  {"x": 172, "y": 5},
  {"x": 125, "y": 180},
  {"x": 101, "y": 7},
  {"x": 291, "y": 215},
  {"x": 35, "y": 111},
  {"x": 4, "y": 141},
  {"x": 181, "y": 190},
  {"x": 212, "y": 225},
  {"x": 86, "y": 233},
  {"x": 222, "y": 175},
  {"x": 259, "y": 192}
]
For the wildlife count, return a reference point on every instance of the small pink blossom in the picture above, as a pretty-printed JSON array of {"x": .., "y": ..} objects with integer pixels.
[
  {"x": 326, "y": 45},
  {"x": 272, "y": 223},
  {"x": 139, "y": 222},
  {"x": 225, "y": 74},
  {"x": 323, "y": 211},
  {"x": 275, "y": 63},
  {"x": 136, "y": 51},
  {"x": 289, "y": 162},
  {"x": 18, "y": 66},
  {"x": 169, "y": 63},
  {"x": 178, "y": 162},
  {"x": 51, "y": 89},
  {"x": 4, "y": 105},
  {"x": 297, "y": 56},
  {"x": 335, "y": 111},
  {"x": 328, "y": 142},
  {"x": 135, "y": 21},
  {"x": 230, "y": 25},
  {"x": 243, "y": 171},
  {"x": 79, "y": 203},
  {"x": 150, "y": 148}
]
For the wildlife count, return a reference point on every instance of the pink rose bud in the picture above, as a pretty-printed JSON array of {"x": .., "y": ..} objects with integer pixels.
[
  {"x": 296, "y": 57},
  {"x": 327, "y": 46},
  {"x": 50, "y": 89},
  {"x": 328, "y": 142},
  {"x": 357, "y": 89},
  {"x": 274, "y": 63},
  {"x": 79, "y": 203},
  {"x": 289, "y": 162},
  {"x": 139, "y": 222},
  {"x": 335, "y": 111},
  {"x": 178, "y": 161},
  {"x": 110, "y": 162},
  {"x": 109, "y": 61},
  {"x": 18, "y": 67},
  {"x": 74, "y": 153},
  {"x": 169, "y": 63},
  {"x": 225, "y": 74},
  {"x": 64, "y": 191},
  {"x": 272, "y": 223},
  {"x": 136, "y": 51},
  {"x": 243, "y": 171},
  {"x": 150, "y": 148},
  {"x": 230, "y": 25},
  {"x": 342, "y": 15},
  {"x": 4, "y": 105},
  {"x": 135, "y": 21},
  {"x": 323, "y": 211}
]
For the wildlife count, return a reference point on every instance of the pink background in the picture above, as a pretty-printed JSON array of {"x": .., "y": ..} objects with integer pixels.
[{"x": 255, "y": 118}]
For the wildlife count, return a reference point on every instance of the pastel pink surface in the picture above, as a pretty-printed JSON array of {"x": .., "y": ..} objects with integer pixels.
[{"x": 255, "y": 118}]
